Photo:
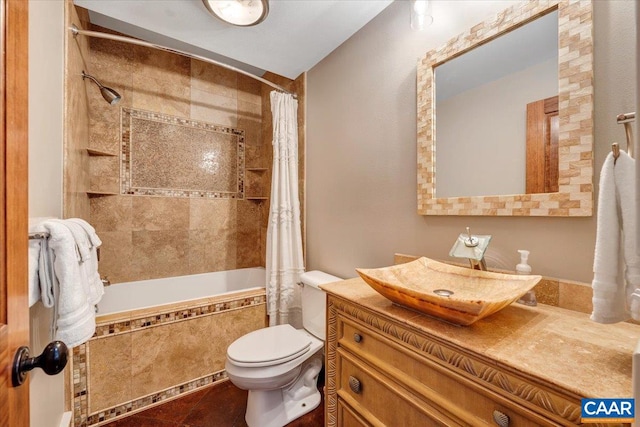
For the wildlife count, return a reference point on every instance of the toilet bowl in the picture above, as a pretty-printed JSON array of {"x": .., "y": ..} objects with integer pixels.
[{"x": 279, "y": 366}]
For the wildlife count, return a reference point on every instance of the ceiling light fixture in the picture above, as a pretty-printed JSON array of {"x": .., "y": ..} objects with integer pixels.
[
  {"x": 421, "y": 16},
  {"x": 242, "y": 13}
]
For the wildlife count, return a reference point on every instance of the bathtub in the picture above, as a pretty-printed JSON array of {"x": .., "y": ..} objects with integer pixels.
[
  {"x": 158, "y": 339},
  {"x": 144, "y": 294}
]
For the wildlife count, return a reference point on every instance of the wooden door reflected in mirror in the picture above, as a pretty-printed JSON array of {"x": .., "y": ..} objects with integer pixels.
[{"x": 542, "y": 146}]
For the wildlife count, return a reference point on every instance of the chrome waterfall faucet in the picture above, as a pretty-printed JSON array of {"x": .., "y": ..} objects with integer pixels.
[{"x": 471, "y": 247}]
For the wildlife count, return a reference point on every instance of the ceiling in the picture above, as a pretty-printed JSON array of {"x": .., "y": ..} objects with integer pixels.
[{"x": 296, "y": 35}]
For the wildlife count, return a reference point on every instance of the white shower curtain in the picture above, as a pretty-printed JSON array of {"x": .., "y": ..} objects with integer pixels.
[{"x": 284, "y": 262}]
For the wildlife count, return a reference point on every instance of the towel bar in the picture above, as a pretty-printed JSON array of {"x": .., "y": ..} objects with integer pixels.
[{"x": 38, "y": 235}]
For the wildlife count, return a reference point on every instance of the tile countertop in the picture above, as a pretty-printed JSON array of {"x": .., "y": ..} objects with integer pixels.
[{"x": 558, "y": 346}]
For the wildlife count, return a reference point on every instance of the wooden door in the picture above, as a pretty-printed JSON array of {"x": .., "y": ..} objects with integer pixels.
[
  {"x": 14, "y": 300},
  {"x": 542, "y": 146}
]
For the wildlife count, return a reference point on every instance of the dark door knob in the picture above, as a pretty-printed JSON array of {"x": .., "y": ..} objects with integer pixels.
[{"x": 52, "y": 361}]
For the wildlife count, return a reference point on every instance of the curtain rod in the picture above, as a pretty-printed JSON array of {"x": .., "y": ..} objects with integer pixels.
[{"x": 75, "y": 30}]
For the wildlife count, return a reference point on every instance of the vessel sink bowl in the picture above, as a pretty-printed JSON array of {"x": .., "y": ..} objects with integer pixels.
[{"x": 455, "y": 294}]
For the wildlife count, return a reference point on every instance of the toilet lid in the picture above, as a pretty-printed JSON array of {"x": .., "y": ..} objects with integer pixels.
[{"x": 268, "y": 346}]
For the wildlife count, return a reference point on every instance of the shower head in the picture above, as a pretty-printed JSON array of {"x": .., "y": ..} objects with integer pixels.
[{"x": 109, "y": 95}]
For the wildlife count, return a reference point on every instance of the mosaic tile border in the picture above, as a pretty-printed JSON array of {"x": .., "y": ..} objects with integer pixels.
[
  {"x": 104, "y": 329},
  {"x": 80, "y": 388},
  {"x": 125, "y": 159},
  {"x": 575, "y": 86}
]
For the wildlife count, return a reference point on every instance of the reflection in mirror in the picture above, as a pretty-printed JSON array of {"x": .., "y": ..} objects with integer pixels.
[
  {"x": 543, "y": 169},
  {"x": 481, "y": 103}
]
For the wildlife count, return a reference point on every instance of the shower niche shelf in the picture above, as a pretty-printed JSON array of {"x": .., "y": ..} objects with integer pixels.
[
  {"x": 96, "y": 193},
  {"x": 94, "y": 152},
  {"x": 256, "y": 184}
]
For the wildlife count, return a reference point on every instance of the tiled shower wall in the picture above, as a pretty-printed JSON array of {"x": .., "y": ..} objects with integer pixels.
[
  {"x": 154, "y": 236},
  {"x": 76, "y": 116}
]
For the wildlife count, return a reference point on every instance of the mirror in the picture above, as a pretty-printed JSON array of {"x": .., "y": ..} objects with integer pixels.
[
  {"x": 489, "y": 88},
  {"x": 461, "y": 172}
]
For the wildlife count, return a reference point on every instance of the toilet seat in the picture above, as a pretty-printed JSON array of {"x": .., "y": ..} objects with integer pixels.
[{"x": 268, "y": 347}]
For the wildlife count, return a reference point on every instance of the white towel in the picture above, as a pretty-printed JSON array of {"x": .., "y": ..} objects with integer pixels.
[
  {"x": 75, "y": 320},
  {"x": 89, "y": 268},
  {"x": 612, "y": 297},
  {"x": 625, "y": 184},
  {"x": 40, "y": 284},
  {"x": 88, "y": 228}
]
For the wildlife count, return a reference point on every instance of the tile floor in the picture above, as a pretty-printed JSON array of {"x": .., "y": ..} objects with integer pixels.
[{"x": 222, "y": 405}]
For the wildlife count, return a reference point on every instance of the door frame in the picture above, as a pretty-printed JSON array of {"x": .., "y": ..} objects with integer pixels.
[{"x": 14, "y": 298}]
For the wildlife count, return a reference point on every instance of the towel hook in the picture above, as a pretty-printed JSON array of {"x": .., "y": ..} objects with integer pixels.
[{"x": 626, "y": 120}]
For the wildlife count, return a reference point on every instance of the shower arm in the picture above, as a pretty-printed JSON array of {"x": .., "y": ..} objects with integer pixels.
[
  {"x": 75, "y": 31},
  {"x": 87, "y": 76}
]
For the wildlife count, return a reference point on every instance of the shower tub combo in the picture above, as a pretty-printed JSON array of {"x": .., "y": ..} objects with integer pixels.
[{"x": 158, "y": 339}]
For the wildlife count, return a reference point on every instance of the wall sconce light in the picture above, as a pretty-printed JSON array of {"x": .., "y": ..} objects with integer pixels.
[
  {"x": 242, "y": 13},
  {"x": 421, "y": 16}
]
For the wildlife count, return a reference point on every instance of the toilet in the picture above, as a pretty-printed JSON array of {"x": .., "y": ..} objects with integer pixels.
[{"x": 279, "y": 365}]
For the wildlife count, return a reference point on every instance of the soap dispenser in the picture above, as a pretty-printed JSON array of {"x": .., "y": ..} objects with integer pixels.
[{"x": 524, "y": 268}]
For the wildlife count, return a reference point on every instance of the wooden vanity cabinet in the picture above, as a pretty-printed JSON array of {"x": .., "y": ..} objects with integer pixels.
[{"x": 382, "y": 372}]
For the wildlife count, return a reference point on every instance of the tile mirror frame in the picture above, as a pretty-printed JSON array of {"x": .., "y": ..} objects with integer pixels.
[{"x": 575, "y": 139}]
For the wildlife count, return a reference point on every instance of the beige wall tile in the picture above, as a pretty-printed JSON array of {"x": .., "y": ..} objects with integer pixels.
[
  {"x": 104, "y": 129},
  {"x": 116, "y": 255},
  {"x": 161, "y": 82},
  {"x": 249, "y": 90},
  {"x": 212, "y": 249},
  {"x": 176, "y": 353},
  {"x": 575, "y": 296},
  {"x": 76, "y": 131},
  {"x": 214, "y": 108},
  {"x": 253, "y": 157},
  {"x": 256, "y": 183},
  {"x": 160, "y": 213},
  {"x": 161, "y": 253},
  {"x": 213, "y": 79},
  {"x": 250, "y": 121},
  {"x": 249, "y": 240},
  {"x": 161, "y": 96},
  {"x": 548, "y": 292},
  {"x": 212, "y": 214},
  {"x": 105, "y": 173},
  {"x": 161, "y": 66},
  {"x": 111, "y": 213},
  {"x": 109, "y": 368}
]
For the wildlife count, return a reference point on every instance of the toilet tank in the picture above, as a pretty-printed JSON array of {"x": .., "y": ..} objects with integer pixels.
[{"x": 314, "y": 302}]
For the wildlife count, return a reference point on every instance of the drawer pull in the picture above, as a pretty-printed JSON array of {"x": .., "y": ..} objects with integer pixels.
[
  {"x": 357, "y": 337},
  {"x": 354, "y": 385},
  {"x": 501, "y": 418}
]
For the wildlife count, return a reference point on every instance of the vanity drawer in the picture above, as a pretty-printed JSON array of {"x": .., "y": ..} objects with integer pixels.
[
  {"x": 380, "y": 401},
  {"x": 348, "y": 418},
  {"x": 453, "y": 395}
]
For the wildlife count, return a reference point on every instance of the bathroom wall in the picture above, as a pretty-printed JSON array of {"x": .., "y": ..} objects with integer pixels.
[
  {"x": 153, "y": 236},
  {"x": 46, "y": 51},
  {"x": 361, "y": 149}
]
